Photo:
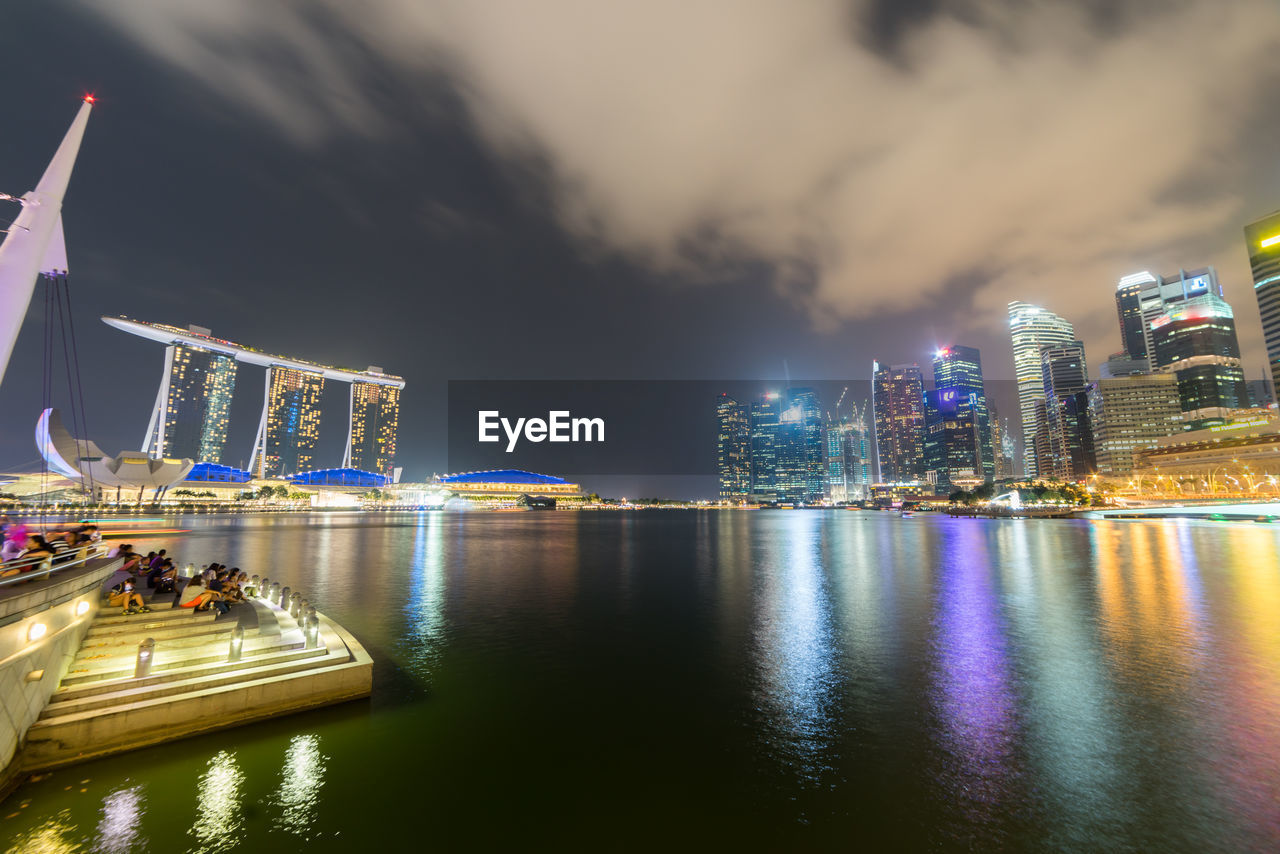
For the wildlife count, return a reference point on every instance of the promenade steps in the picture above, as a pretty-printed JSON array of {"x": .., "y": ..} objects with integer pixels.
[{"x": 101, "y": 708}]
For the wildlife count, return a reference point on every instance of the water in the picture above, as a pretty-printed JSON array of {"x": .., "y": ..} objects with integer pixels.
[{"x": 766, "y": 680}]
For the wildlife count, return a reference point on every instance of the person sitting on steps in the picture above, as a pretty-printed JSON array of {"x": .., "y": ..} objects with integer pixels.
[{"x": 124, "y": 595}]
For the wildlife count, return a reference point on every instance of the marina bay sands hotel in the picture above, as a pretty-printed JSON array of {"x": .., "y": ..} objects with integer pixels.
[{"x": 192, "y": 410}]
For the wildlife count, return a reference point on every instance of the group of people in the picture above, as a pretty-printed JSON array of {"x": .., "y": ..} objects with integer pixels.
[
  {"x": 23, "y": 549},
  {"x": 216, "y": 587}
]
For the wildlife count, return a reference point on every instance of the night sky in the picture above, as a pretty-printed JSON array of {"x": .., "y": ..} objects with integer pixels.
[{"x": 561, "y": 190}]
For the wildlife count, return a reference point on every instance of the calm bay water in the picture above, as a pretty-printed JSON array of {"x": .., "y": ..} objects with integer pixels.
[{"x": 766, "y": 679}]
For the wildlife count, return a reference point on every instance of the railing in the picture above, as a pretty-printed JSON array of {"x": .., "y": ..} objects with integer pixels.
[{"x": 43, "y": 567}]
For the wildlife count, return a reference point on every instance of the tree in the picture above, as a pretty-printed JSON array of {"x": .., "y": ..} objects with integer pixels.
[{"x": 281, "y": 491}]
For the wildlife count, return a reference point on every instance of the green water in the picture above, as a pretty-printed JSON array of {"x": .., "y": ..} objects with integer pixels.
[{"x": 761, "y": 680}]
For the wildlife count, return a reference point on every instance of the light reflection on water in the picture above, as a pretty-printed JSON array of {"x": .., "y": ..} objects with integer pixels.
[
  {"x": 218, "y": 806},
  {"x": 301, "y": 779},
  {"x": 912, "y": 683},
  {"x": 118, "y": 830}
]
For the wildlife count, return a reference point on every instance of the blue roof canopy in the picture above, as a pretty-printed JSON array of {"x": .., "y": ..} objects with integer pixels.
[
  {"x": 503, "y": 476},
  {"x": 214, "y": 473},
  {"x": 338, "y": 477}
]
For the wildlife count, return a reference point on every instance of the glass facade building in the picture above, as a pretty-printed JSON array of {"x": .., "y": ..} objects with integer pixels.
[
  {"x": 1065, "y": 374},
  {"x": 897, "y": 399},
  {"x": 733, "y": 449},
  {"x": 1031, "y": 329},
  {"x": 1196, "y": 341},
  {"x": 375, "y": 421},
  {"x": 194, "y": 405},
  {"x": 1263, "y": 241},
  {"x": 960, "y": 368},
  {"x": 952, "y": 439}
]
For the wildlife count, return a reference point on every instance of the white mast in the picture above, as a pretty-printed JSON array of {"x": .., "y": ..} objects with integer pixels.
[{"x": 35, "y": 244}]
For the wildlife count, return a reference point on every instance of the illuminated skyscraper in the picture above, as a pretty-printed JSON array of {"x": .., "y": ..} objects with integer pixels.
[
  {"x": 952, "y": 438},
  {"x": 766, "y": 415},
  {"x": 1032, "y": 328},
  {"x": 193, "y": 405},
  {"x": 1196, "y": 341},
  {"x": 1059, "y": 439},
  {"x": 801, "y": 452},
  {"x": 733, "y": 448},
  {"x": 897, "y": 398},
  {"x": 1263, "y": 240},
  {"x": 290, "y": 422},
  {"x": 1142, "y": 297},
  {"x": 960, "y": 369},
  {"x": 375, "y": 419}
]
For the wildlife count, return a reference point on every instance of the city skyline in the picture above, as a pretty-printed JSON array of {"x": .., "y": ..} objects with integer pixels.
[{"x": 454, "y": 236}]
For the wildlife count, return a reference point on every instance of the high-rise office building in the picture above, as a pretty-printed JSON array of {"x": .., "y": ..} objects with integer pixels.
[
  {"x": 733, "y": 449},
  {"x": 1263, "y": 241},
  {"x": 848, "y": 446},
  {"x": 960, "y": 368},
  {"x": 291, "y": 422},
  {"x": 952, "y": 439},
  {"x": 375, "y": 422},
  {"x": 1133, "y": 334},
  {"x": 1001, "y": 444},
  {"x": 1143, "y": 297},
  {"x": 1128, "y": 414},
  {"x": 1196, "y": 340},
  {"x": 1033, "y": 328},
  {"x": 1064, "y": 374},
  {"x": 766, "y": 415},
  {"x": 800, "y": 474},
  {"x": 193, "y": 406},
  {"x": 897, "y": 398}
]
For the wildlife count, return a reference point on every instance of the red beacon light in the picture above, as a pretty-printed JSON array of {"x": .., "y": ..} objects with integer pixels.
[{"x": 90, "y": 98}]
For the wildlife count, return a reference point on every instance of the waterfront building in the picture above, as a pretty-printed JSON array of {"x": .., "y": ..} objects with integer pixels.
[
  {"x": 1196, "y": 341},
  {"x": 1031, "y": 329},
  {"x": 1263, "y": 241},
  {"x": 766, "y": 415},
  {"x": 952, "y": 439},
  {"x": 505, "y": 484},
  {"x": 1130, "y": 414},
  {"x": 897, "y": 399},
  {"x": 800, "y": 461},
  {"x": 733, "y": 449},
  {"x": 1143, "y": 297},
  {"x": 199, "y": 381},
  {"x": 960, "y": 368},
  {"x": 848, "y": 475},
  {"x": 338, "y": 477},
  {"x": 193, "y": 406},
  {"x": 375, "y": 423},
  {"x": 1064, "y": 373},
  {"x": 1240, "y": 456}
]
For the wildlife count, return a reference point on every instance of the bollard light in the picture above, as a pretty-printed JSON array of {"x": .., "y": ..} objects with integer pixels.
[
  {"x": 237, "y": 642},
  {"x": 274, "y": 593},
  {"x": 295, "y": 605},
  {"x": 252, "y": 587},
  {"x": 283, "y": 601},
  {"x": 82, "y": 607},
  {"x": 303, "y": 609},
  {"x": 190, "y": 571},
  {"x": 264, "y": 587},
  {"x": 146, "y": 651},
  {"x": 311, "y": 630}
]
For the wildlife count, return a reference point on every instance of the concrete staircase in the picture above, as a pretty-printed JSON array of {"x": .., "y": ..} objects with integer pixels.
[{"x": 100, "y": 707}]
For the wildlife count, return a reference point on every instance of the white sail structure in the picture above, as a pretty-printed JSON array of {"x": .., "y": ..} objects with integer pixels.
[{"x": 35, "y": 243}]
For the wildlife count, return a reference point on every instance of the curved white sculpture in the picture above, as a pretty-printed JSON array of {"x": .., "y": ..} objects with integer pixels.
[
  {"x": 35, "y": 242},
  {"x": 81, "y": 459}
]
